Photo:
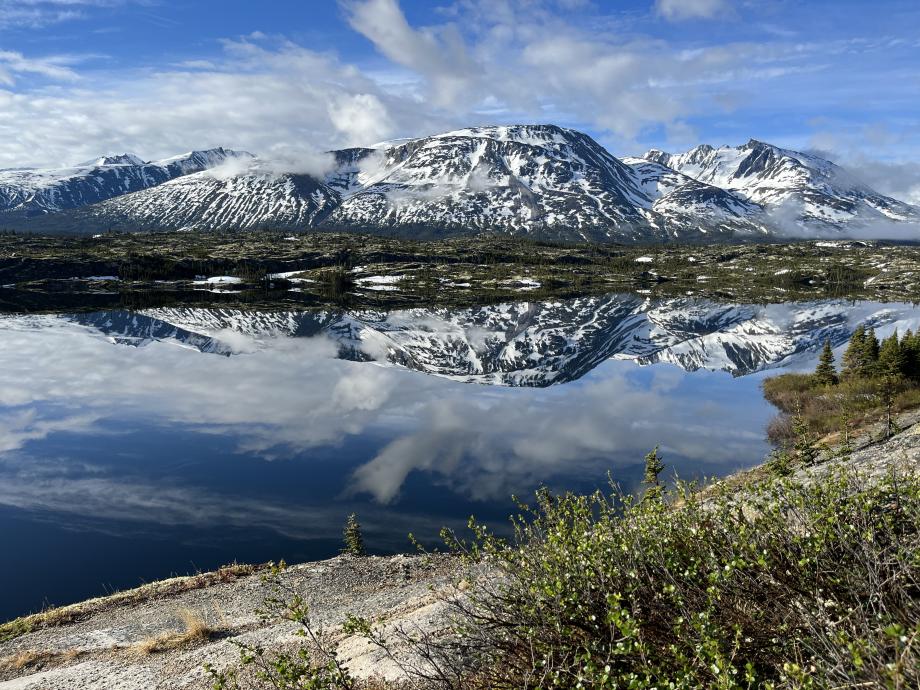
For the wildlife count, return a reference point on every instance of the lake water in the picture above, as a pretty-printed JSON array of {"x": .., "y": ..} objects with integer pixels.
[{"x": 136, "y": 445}]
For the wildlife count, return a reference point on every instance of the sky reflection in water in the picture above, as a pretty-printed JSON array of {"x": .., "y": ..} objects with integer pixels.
[{"x": 120, "y": 463}]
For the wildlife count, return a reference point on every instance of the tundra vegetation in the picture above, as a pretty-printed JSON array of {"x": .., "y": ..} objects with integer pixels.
[
  {"x": 277, "y": 269},
  {"x": 790, "y": 585},
  {"x": 876, "y": 380}
]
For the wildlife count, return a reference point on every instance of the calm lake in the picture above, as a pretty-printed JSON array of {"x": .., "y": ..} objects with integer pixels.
[{"x": 136, "y": 445}]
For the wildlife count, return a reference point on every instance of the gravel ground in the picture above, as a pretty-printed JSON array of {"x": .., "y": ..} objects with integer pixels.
[{"x": 101, "y": 650}]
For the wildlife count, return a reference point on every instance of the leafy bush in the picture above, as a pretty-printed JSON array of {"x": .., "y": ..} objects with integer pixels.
[
  {"x": 798, "y": 587},
  {"x": 787, "y": 585},
  {"x": 314, "y": 666}
]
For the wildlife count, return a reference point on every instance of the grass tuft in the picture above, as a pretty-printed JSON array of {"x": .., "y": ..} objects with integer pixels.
[{"x": 195, "y": 630}]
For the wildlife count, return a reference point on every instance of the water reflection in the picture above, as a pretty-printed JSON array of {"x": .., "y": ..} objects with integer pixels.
[{"x": 130, "y": 431}]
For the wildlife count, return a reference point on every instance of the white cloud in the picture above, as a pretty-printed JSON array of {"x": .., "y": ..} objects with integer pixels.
[
  {"x": 439, "y": 54},
  {"x": 361, "y": 118},
  {"x": 278, "y": 100},
  {"x": 514, "y": 60},
  {"x": 680, "y": 10},
  {"x": 14, "y": 65},
  {"x": 38, "y": 13}
]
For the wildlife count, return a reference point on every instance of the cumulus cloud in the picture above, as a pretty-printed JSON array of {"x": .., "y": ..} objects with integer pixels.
[
  {"x": 511, "y": 61},
  {"x": 680, "y": 10},
  {"x": 278, "y": 100}
]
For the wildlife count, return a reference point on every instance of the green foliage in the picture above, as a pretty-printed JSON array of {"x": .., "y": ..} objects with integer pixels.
[
  {"x": 653, "y": 468},
  {"x": 352, "y": 537},
  {"x": 805, "y": 451},
  {"x": 14, "y": 629},
  {"x": 826, "y": 372},
  {"x": 797, "y": 587},
  {"x": 878, "y": 380},
  {"x": 891, "y": 359},
  {"x": 862, "y": 353},
  {"x": 312, "y": 666}
]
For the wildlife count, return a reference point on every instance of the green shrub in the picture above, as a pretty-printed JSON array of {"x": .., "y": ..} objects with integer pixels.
[
  {"x": 313, "y": 666},
  {"x": 798, "y": 587}
]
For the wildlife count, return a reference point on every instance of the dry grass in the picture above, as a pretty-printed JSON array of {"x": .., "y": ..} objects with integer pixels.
[
  {"x": 195, "y": 630},
  {"x": 149, "y": 592},
  {"x": 31, "y": 657}
]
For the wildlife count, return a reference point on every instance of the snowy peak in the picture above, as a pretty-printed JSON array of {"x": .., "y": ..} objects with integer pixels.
[
  {"x": 798, "y": 188},
  {"x": 538, "y": 180},
  {"x": 521, "y": 179},
  {"x": 123, "y": 159},
  {"x": 206, "y": 200},
  {"x": 42, "y": 191},
  {"x": 208, "y": 158}
]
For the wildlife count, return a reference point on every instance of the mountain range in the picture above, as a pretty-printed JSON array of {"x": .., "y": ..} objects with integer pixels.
[
  {"x": 528, "y": 343},
  {"x": 540, "y": 181}
]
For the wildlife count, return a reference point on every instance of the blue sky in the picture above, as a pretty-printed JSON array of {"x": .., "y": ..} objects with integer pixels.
[{"x": 287, "y": 78}]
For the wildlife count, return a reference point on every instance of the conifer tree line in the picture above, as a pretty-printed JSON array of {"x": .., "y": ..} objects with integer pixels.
[
  {"x": 874, "y": 380},
  {"x": 867, "y": 358}
]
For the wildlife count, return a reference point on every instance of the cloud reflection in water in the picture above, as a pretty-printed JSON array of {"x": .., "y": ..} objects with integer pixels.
[{"x": 293, "y": 395}]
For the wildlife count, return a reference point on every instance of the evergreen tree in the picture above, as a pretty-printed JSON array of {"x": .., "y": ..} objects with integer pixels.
[
  {"x": 351, "y": 535},
  {"x": 826, "y": 373},
  {"x": 804, "y": 447},
  {"x": 910, "y": 349},
  {"x": 853, "y": 358},
  {"x": 846, "y": 419},
  {"x": 871, "y": 353},
  {"x": 891, "y": 360},
  {"x": 653, "y": 468},
  {"x": 861, "y": 358},
  {"x": 887, "y": 396}
]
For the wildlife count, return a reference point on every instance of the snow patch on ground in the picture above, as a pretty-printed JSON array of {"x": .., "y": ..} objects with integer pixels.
[{"x": 219, "y": 280}]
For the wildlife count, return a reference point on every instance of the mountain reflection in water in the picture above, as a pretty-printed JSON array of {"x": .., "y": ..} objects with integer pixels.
[{"x": 126, "y": 434}]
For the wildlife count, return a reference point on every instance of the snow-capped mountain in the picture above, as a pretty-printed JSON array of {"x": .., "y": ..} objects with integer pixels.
[
  {"x": 534, "y": 180},
  {"x": 207, "y": 201},
  {"x": 34, "y": 191},
  {"x": 533, "y": 343},
  {"x": 526, "y": 179},
  {"x": 795, "y": 187}
]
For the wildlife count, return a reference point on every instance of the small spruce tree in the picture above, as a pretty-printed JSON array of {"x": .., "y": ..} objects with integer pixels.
[
  {"x": 826, "y": 373},
  {"x": 870, "y": 354},
  {"x": 887, "y": 396},
  {"x": 653, "y": 468},
  {"x": 846, "y": 420},
  {"x": 804, "y": 447},
  {"x": 351, "y": 535},
  {"x": 891, "y": 360},
  {"x": 853, "y": 358}
]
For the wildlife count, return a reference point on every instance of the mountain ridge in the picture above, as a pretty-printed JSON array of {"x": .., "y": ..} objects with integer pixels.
[{"x": 542, "y": 181}]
